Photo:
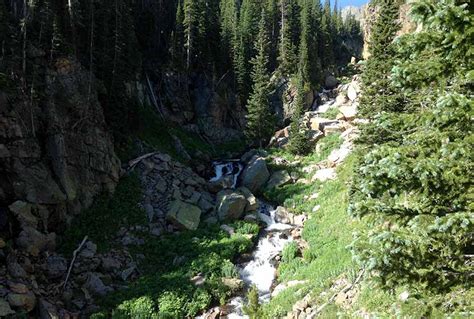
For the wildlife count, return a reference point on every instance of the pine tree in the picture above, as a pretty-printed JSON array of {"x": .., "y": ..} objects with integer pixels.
[
  {"x": 288, "y": 37},
  {"x": 253, "y": 308},
  {"x": 228, "y": 23},
  {"x": 299, "y": 142},
  {"x": 327, "y": 36},
  {"x": 260, "y": 119},
  {"x": 190, "y": 22},
  {"x": 177, "y": 36}
]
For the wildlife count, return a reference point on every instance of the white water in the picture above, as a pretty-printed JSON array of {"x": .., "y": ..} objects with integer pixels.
[
  {"x": 223, "y": 169},
  {"x": 260, "y": 270}
]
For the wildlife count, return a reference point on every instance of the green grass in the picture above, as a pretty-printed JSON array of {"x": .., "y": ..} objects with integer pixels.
[
  {"x": 328, "y": 232},
  {"x": 294, "y": 196},
  {"x": 332, "y": 113},
  {"x": 170, "y": 263},
  {"x": 106, "y": 216},
  {"x": 164, "y": 289}
]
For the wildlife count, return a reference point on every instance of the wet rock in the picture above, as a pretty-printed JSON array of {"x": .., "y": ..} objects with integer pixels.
[
  {"x": 278, "y": 179},
  {"x": 57, "y": 266},
  {"x": 47, "y": 310},
  {"x": 252, "y": 202},
  {"x": 230, "y": 205},
  {"x": 282, "y": 215},
  {"x": 331, "y": 82},
  {"x": 26, "y": 302},
  {"x": 5, "y": 308},
  {"x": 96, "y": 286},
  {"x": 184, "y": 215},
  {"x": 255, "y": 174}
]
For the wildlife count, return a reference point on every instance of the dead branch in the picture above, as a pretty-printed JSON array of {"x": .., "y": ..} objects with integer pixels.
[{"x": 74, "y": 255}]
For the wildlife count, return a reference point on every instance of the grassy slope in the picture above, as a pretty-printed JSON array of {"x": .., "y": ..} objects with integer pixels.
[{"x": 329, "y": 233}]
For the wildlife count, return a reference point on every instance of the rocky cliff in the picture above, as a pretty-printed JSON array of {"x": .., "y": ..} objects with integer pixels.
[
  {"x": 369, "y": 16},
  {"x": 56, "y": 153}
]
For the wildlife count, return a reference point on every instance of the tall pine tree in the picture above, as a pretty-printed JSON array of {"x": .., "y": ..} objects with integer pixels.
[{"x": 260, "y": 119}]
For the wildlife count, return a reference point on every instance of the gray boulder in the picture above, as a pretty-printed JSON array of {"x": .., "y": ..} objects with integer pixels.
[
  {"x": 184, "y": 215},
  {"x": 252, "y": 202},
  {"x": 255, "y": 174},
  {"x": 331, "y": 82},
  {"x": 33, "y": 242},
  {"x": 230, "y": 205},
  {"x": 279, "y": 178}
]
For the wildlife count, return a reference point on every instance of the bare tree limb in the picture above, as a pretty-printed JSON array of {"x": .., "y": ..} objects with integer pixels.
[{"x": 74, "y": 256}]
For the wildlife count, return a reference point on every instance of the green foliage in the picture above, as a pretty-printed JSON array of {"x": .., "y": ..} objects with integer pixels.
[
  {"x": 299, "y": 139},
  {"x": 260, "y": 120},
  {"x": 106, "y": 216},
  {"x": 253, "y": 308},
  {"x": 413, "y": 185}
]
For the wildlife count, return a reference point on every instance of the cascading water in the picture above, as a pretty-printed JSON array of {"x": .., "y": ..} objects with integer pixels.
[
  {"x": 261, "y": 269},
  {"x": 227, "y": 169}
]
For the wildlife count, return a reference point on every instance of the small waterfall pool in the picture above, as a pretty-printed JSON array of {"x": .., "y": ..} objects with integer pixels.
[{"x": 261, "y": 269}]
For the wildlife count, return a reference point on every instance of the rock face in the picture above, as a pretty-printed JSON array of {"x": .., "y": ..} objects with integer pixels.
[
  {"x": 58, "y": 154},
  {"x": 212, "y": 112},
  {"x": 230, "y": 205},
  {"x": 184, "y": 215},
  {"x": 256, "y": 174}
]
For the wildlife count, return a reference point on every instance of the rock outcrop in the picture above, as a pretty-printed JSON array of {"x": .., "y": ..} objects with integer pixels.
[{"x": 57, "y": 154}]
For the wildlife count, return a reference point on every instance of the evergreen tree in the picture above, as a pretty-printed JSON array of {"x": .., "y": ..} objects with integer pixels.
[
  {"x": 229, "y": 21},
  {"x": 177, "y": 36},
  {"x": 327, "y": 36},
  {"x": 299, "y": 142},
  {"x": 260, "y": 119},
  {"x": 190, "y": 22},
  {"x": 413, "y": 185},
  {"x": 253, "y": 308},
  {"x": 288, "y": 36}
]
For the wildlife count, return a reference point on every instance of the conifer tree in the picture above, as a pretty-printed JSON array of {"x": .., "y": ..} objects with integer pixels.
[
  {"x": 190, "y": 22},
  {"x": 288, "y": 36},
  {"x": 228, "y": 23},
  {"x": 260, "y": 119},
  {"x": 299, "y": 141},
  {"x": 327, "y": 35}
]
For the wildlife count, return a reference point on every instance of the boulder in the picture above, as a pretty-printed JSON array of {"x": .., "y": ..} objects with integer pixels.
[
  {"x": 324, "y": 174},
  {"x": 336, "y": 127},
  {"x": 330, "y": 82},
  {"x": 96, "y": 286},
  {"x": 5, "y": 309},
  {"x": 349, "y": 112},
  {"x": 282, "y": 215},
  {"x": 22, "y": 212},
  {"x": 33, "y": 242},
  {"x": 26, "y": 302},
  {"x": 57, "y": 266},
  {"x": 255, "y": 174},
  {"x": 352, "y": 91},
  {"x": 47, "y": 310},
  {"x": 278, "y": 179},
  {"x": 319, "y": 123},
  {"x": 252, "y": 202},
  {"x": 247, "y": 157},
  {"x": 230, "y": 205},
  {"x": 233, "y": 283},
  {"x": 184, "y": 215}
]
